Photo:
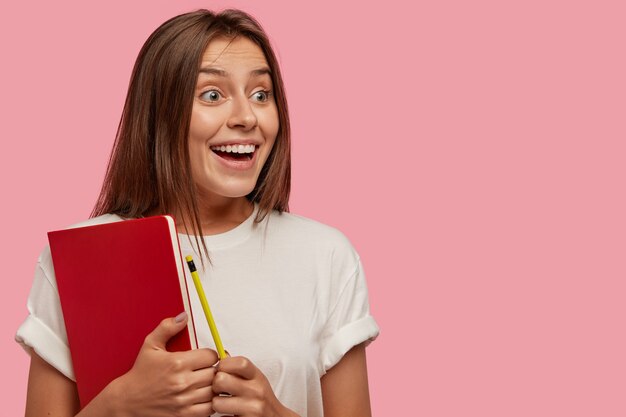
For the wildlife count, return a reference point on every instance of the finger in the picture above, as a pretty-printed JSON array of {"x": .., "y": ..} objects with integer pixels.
[
  {"x": 225, "y": 383},
  {"x": 200, "y": 395},
  {"x": 237, "y": 406},
  {"x": 200, "y": 358},
  {"x": 193, "y": 360},
  {"x": 168, "y": 328},
  {"x": 238, "y": 365},
  {"x": 202, "y": 378},
  {"x": 201, "y": 410}
]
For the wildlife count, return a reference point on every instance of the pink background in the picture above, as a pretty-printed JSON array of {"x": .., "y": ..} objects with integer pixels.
[{"x": 472, "y": 151}]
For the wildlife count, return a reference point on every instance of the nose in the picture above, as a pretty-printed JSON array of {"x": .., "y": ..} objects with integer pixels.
[{"x": 242, "y": 115}]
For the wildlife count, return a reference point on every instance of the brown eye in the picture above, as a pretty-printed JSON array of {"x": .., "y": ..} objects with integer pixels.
[
  {"x": 211, "y": 96},
  {"x": 262, "y": 95}
]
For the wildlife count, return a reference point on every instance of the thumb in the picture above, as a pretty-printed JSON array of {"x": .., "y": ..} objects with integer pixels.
[{"x": 166, "y": 330}]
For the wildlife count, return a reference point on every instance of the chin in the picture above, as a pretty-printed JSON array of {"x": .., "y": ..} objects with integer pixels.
[
  {"x": 237, "y": 194},
  {"x": 230, "y": 190}
]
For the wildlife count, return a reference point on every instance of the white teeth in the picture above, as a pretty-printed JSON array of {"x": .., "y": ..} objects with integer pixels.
[{"x": 234, "y": 148}]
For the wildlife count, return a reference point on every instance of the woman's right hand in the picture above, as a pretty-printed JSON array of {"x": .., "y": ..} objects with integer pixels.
[{"x": 163, "y": 383}]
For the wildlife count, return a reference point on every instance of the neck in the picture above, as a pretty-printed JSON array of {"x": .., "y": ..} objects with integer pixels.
[{"x": 219, "y": 215}]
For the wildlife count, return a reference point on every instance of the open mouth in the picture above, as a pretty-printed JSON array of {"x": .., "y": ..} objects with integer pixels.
[{"x": 235, "y": 153}]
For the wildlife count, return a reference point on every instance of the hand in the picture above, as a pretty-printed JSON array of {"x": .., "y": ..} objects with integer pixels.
[
  {"x": 163, "y": 383},
  {"x": 251, "y": 394}
]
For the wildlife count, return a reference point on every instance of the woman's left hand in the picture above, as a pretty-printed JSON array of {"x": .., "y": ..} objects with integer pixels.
[{"x": 251, "y": 394}]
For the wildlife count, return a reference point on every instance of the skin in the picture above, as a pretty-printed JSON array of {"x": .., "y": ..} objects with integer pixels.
[
  {"x": 239, "y": 105},
  {"x": 163, "y": 383}
]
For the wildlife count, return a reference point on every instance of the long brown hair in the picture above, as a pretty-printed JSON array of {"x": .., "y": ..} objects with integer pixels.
[{"x": 149, "y": 169}]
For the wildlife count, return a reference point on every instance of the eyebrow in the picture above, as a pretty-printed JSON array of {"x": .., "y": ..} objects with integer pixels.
[{"x": 221, "y": 73}]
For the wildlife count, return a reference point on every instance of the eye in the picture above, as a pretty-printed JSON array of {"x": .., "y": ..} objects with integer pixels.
[
  {"x": 262, "y": 95},
  {"x": 212, "y": 96}
]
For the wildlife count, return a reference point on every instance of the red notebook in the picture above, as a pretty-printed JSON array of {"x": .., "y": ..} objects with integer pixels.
[{"x": 116, "y": 282}]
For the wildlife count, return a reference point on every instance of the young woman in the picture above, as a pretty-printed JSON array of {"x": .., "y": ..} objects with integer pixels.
[{"x": 205, "y": 136}]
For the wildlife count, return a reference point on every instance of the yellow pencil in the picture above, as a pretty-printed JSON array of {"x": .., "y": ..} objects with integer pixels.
[{"x": 205, "y": 306}]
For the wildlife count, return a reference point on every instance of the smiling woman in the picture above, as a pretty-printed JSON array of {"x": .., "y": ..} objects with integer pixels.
[
  {"x": 205, "y": 137},
  {"x": 234, "y": 109}
]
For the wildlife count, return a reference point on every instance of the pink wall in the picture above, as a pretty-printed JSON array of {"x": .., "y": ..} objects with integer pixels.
[{"x": 472, "y": 151}]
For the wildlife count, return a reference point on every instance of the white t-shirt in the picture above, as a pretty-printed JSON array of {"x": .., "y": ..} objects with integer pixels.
[{"x": 289, "y": 293}]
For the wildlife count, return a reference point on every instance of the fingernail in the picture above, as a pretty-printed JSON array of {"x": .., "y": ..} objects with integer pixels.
[{"x": 181, "y": 317}]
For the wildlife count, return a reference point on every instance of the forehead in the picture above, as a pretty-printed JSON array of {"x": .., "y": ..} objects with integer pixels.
[{"x": 237, "y": 52}]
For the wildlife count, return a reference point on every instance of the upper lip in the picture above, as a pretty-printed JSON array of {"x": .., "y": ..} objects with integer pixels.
[{"x": 242, "y": 141}]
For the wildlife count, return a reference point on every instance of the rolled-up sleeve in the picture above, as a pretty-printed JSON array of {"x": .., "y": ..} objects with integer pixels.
[
  {"x": 349, "y": 322},
  {"x": 44, "y": 328}
]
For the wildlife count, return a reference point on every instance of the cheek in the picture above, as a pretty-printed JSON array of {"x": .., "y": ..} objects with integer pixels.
[
  {"x": 203, "y": 125},
  {"x": 196, "y": 163},
  {"x": 270, "y": 123}
]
